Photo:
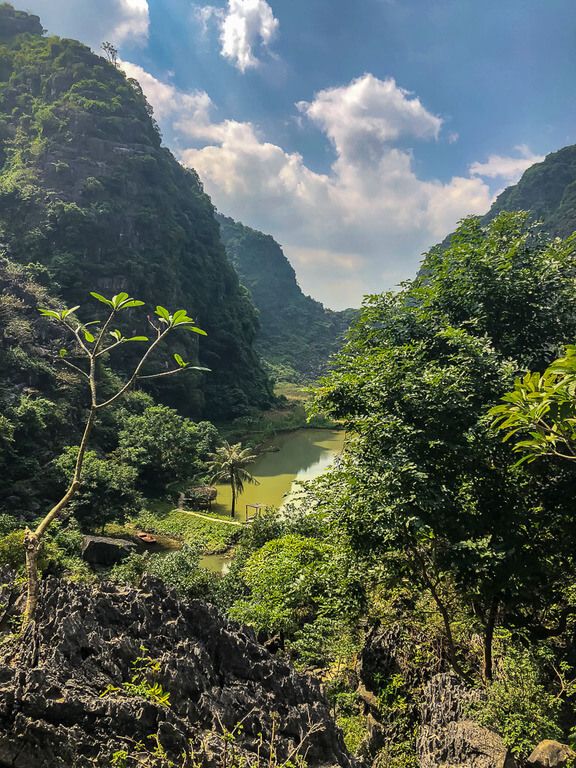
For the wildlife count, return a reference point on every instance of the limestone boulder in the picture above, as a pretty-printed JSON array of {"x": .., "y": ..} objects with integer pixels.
[
  {"x": 551, "y": 754},
  {"x": 101, "y": 550}
]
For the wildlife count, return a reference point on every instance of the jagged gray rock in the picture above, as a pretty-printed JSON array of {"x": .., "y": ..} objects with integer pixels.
[
  {"x": 448, "y": 738},
  {"x": 52, "y": 714},
  {"x": 101, "y": 550}
]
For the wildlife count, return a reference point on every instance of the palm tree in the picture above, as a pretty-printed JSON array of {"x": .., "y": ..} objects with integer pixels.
[{"x": 228, "y": 465}]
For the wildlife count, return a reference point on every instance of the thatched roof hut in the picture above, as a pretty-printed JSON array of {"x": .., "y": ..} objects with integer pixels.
[{"x": 201, "y": 496}]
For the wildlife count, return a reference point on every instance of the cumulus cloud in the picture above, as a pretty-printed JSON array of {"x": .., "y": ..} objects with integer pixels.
[
  {"x": 507, "y": 168},
  {"x": 247, "y": 27},
  {"x": 170, "y": 103},
  {"x": 119, "y": 21},
  {"x": 359, "y": 228},
  {"x": 361, "y": 117}
]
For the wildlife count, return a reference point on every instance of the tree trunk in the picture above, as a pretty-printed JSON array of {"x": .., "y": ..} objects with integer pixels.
[
  {"x": 427, "y": 581},
  {"x": 233, "y": 499},
  {"x": 32, "y": 547},
  {"x": 33, "y": 539},
  {"x": 488, "y": 640}
]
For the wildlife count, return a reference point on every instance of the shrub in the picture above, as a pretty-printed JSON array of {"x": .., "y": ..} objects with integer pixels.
[{"x": 518, "y": 705}]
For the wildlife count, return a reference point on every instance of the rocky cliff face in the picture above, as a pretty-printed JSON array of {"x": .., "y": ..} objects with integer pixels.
[
  {"x": 548, "y": 191},
  {"x": 53, "y": 713},
  {"x": 297, "y": 334},
  {"x": 447, "y": 737},
  {"x": 87, "y": 189}
]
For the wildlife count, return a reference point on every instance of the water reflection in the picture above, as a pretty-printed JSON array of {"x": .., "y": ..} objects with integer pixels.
[{"x": 302, "y": 455}]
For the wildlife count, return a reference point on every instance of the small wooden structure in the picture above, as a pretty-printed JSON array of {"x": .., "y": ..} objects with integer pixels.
[
  {"x": 200, "y": 497},
  {"x": 256, "y": 513},
  {"x": 147, "y": 538}
]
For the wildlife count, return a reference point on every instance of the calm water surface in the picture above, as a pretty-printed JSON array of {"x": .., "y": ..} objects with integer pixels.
[{"x": 302, "y": 455}]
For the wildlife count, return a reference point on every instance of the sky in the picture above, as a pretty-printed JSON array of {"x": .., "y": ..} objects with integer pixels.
[{"x": 356, "y": 132}]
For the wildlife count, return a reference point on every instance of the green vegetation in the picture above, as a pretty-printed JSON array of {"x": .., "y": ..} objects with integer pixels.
[
  {"x": 87, "y": 190},
  {"x": 297, "y": 334},
  {"x": 447, "y": 527},
  {"x": 179, "y": 569},
  {"x": 214, "y": 530},
  {"x": 143, "y": 682},
  {"x": 228, "y": 465},
  {"x": 518, "y": 705},
  {"x": 90, "y": 341},
  {"x": 542, "y": 410},
  {"x": 425, "y": 478},
  {"x": 163, "y": 447}
]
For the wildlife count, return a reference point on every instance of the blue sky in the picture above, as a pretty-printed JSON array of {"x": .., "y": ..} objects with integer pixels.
[{"x": 357, "y": 133}]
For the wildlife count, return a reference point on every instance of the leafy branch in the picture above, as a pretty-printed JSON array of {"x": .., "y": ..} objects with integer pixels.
[
  {"x": 541, "y": 409},
  {"x": 92, "y": 342}
]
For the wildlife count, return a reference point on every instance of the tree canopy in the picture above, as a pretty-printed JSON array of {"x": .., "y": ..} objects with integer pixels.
[{"x": 425, "y": 474}]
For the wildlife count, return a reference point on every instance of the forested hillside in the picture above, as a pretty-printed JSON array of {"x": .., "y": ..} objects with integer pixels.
[
  {"x": 399, "y": 590},
  {"x": 297, "y": 334},
  {"x": 548, "y": 191},
  {"x": 87, "y": 190}
]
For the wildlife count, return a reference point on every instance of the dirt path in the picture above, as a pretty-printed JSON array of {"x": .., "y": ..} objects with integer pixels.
[{"x": 205, "y": 517}]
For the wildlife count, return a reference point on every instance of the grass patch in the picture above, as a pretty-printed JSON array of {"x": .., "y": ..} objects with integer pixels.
[
  {"x": 258, "y": 428},
  {"x": 188, "y": 528}
]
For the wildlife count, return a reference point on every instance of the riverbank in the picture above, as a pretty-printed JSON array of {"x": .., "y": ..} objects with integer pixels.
[
  {"x": 299, "y": 455},
  {"x": 290, "y": 414}
]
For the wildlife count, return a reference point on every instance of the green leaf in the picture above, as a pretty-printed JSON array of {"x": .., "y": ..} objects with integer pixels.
[
  {"x": 194, "y": 329},
  {"x": 101, "y": 298},
  {"x": 116, "y": 334},
  {"x": 65, "y": 312},
  {"x": 179, "y": 315},
  {"x": 179, "y": 359},
  {"x": 88, "y": 336},
  {"x": 119, "y": 299},
  {"x": 131, "y": 303},
  {"x": 49, "y": 313},
  {"x": 163, "y": 313},
  {"x": 63, "y": 352},
  {"x": 138, "y": 338}
]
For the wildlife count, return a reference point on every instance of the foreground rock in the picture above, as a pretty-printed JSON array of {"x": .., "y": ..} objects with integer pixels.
[
  {"x": 53, "y": 714},
  {"x": 551, "y": 754},
  {"x": 101, "y": 550},
  {"x": 448, "y": 738}
]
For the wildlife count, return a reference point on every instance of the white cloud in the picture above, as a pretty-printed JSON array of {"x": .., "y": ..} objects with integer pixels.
[
  {"x": 508, "y": 168},
  {"x": 119, "y": 21},
  {"x": 169, "y": 103},
  {"x": 361, "y": 117},
  {"x": 246, "y": 27},
  {"x": 359, "y": 228}
]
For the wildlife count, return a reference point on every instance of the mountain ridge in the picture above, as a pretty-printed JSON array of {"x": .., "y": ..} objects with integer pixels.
[
  {"x": 88, "y": 190},
  {"x": 297, "y": 333}
]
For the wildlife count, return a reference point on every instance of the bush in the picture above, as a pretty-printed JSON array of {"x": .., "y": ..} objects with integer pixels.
[
  {"x": 108, "y": 491},
  {"x": 179, "y": 570},
  {"x": 518, "y": 705},
  {"x": 303, "y": 589}
]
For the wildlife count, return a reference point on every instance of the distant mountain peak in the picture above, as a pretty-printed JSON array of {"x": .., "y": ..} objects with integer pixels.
[{"x": 13, "y": 22}]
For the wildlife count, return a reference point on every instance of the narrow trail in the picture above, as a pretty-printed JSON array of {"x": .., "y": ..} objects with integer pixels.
[{"x": 205, "y": 517}]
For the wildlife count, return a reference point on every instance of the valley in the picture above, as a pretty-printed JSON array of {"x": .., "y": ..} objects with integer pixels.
[{"x": 239, "y": 529}]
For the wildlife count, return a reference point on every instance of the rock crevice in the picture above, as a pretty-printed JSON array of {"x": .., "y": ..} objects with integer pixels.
[{"x": 53, "y": 713}]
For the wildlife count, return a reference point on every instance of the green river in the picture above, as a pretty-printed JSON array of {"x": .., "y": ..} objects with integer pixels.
[{"x": 289, "y": 457}]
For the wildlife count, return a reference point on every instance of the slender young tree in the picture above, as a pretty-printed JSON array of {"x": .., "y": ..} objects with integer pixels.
[
  {"x": 228, "y": 465},
  {"x": 111, "y": 52},
  {"x": 91, "y": 341}
]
